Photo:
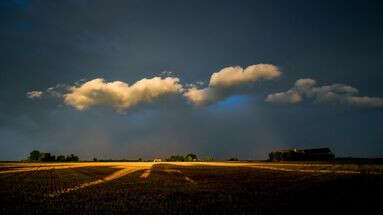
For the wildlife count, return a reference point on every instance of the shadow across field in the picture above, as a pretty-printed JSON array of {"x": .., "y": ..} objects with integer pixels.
[
  {"x": 195, "y": 188},
  {"x": 26, "y": 185}
]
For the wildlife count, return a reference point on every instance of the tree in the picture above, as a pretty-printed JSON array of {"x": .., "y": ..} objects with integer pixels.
[
  {"x": 34, "y": 155},
  {"x": 208, "y": 158},
  {"x": 71, "y": 157},
  {"x": 275, "y": 156},
  {"x": 60, "y": 158},
  {"x": 191, "y": 157},
  {"x": 188, "y": 159},
  {"x": 176, "y": 158},
  {"x": 75, "y": 158},
  {"x": 46, "y": 157}
]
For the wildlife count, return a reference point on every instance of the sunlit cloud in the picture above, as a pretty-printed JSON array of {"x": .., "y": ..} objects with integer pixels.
[
  {"x": 340, "y": 94},
  {"x": 202, "y": 96},
  {"x": 290, "y": 96},
  {"x": 120, "y": 95},
  {"x": 231, "y": 76},
  {"x": 223, "y": 83}
]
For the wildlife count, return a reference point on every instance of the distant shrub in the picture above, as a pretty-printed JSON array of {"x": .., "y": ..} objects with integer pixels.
[
  {"x": 208, "y": 158},
  {"x": 175, "y": 158},
  {"x": 71, "y": 157},
  {"x": 191, "y": 157},
  {"x": 319, "y": 154},
  {"x": 46, "y": 157},
  {"x": 34, "y": 155},
  {"x": 60, "y": 158}
]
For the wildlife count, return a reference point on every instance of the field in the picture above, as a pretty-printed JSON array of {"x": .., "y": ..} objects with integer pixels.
[{"x": 189, "y": 188}]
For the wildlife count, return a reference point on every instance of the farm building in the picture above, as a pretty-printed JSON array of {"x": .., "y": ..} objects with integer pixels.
[{"x": 319, "y": 154}]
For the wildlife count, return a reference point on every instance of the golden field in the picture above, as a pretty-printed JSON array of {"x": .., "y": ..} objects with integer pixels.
[{"x": 188, "y": 187}]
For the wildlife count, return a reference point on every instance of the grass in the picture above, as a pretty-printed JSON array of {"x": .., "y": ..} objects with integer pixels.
[{"x": 189, "y": 188}]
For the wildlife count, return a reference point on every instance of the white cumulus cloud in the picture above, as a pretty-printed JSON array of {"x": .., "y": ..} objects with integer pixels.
[
  {"x": 120, "y": 95},
  {"x": 222, "y": 83},
  {"x": 199, "y": 96},
  {"x": 230, "y": 76}
]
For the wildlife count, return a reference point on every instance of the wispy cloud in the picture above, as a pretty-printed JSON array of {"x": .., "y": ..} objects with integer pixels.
[
  {"x": 55, "y": 92},
  {"x": 290, "y": 96},
  {"x": 34, "y": 94},
  {"x": 372, "y": 102},
  {"x": 340, "y": 94}
]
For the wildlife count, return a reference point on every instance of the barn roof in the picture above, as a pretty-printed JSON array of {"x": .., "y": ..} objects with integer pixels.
[{"x": 285, "y": 150}]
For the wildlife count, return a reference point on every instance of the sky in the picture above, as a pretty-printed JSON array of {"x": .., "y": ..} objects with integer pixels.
[{"x": 221, "y": 78}]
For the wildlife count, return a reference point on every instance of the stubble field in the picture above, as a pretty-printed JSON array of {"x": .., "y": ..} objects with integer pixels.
[{"x": 189, "y": 188}]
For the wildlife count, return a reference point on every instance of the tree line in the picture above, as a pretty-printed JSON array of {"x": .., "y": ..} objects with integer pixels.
[
  {"x": 188, "y": 158},
  {"x": 36, "y": 155}
]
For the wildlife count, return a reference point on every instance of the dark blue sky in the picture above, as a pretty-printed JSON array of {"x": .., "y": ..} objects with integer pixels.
[{"x": 45, "y": 43}]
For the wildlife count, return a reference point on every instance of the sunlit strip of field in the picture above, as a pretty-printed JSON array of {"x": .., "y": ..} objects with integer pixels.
[
  {"x": 113, "y": 176},
  {"x": 299, "y": 167},
  {"x": 141, "y": 187},
  {"x": 21, "y": 167}
]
